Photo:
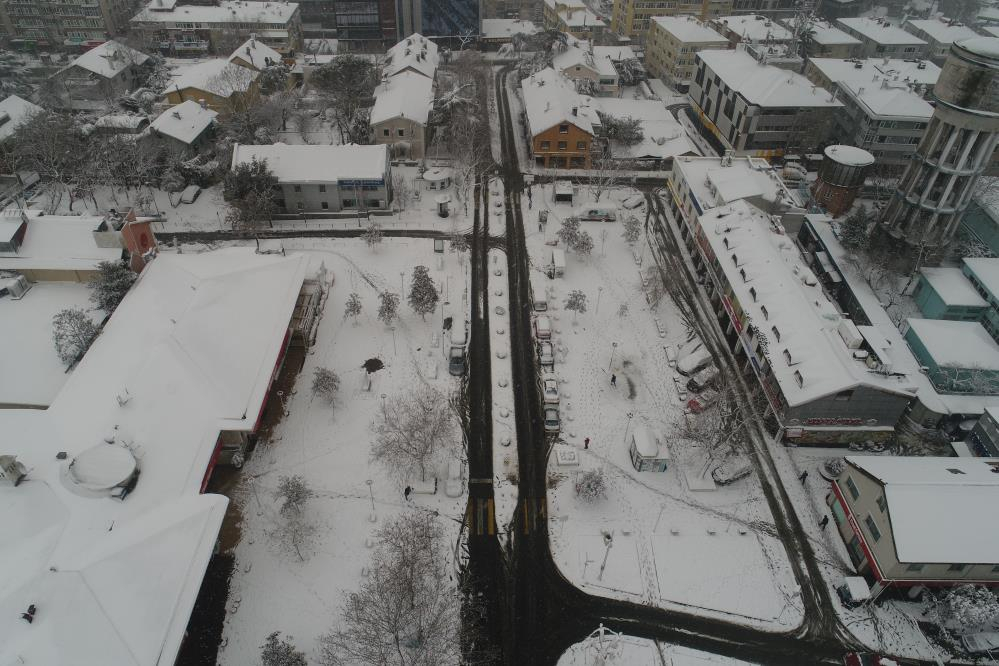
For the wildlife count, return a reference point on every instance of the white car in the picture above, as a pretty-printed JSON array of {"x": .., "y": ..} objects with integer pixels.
[
  {"x": 550, "y": 391},
  {"x": 552, "y": 421},
  {"x": 634, "y": 201},
  {"x": 547, "y": 354},
  {"x": 984, "y": 641}
]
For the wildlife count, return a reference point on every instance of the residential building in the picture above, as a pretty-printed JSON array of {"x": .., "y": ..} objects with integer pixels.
[
  {"x": 938, "y": 33},
  {"x": 98, "y": 77},
  {"x": 560, "y": 127},
  {"x": 984, "y": 437},
  {"x": 750, "y": 29},
  {"x": 763, "y": 6},
  {"x": 439, "y": 18},
  {"x": 959, "y": 356},
  {"x": 13, "y": 112},
  {"x": 217, "y": 83},
  {"x": 316, "y": 178},
  {"x": 983, "y": 274},
  {"x": 663, "y": 137},
  {"x": 835, "y": 9},
  {"x": 131, "y": 441},
  {"x": 946, "y": 293},
  {"x": 671, "y": 47},
  {"x": 180, "y": 30},
  {"x": 981, "y": 222},
  {"x": 38, "y": 24},
  {"x": 898, "y": 516},
  {"x": 822, "y": 39},
  {"x": 881, "y": 39},
  {"x": 632, "y": 18},
  {"x": 758, "y": 108},
  {"x": 572, "y": 17},
  {"x": 580, "y": 61},
  {"x": 54, "y": 248},
  {"x": 401, "y": 113},
  {"x": 497, "y": 31},
  {"x": 186, "y": 127},
  {"x": 254, "y": 54},
  {"x": 922, "y": 75},
  {"x": 415, "y": 53}
]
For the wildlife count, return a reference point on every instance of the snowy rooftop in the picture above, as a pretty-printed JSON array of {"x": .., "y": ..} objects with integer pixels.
[
  {"x": 754, "y": 28},
  {"x": 575, "y": 14},
  {"x": 416, "y": 52},
  {"x": 317, "y": 163},
  {"x": 991, "y": 30},
  {"x": 115, "y": 581},
  {"x": 924, "y": 496},
  {"x": 184, "y": 122},
  {"x": 957, "y": 344},
  {"x": 405, "y": 95},
  {"x": 986, "y": 270},
  {"x": 120, "y": 121},
  {"x": 499, "y": 28},
  {"x": 952, "y": 285},
  {"x": 779, "y": 291},
  {"x": 109, "y": 59},
  {"x": 880, "y": 31},
  {"x": 60, "y": 243},
  {"x": 713, "y": 184},
  {"x": 765, "y": 85},
  {"x": 256, "y": 53},
  {"x": 578, "y": 53},
  {"x": 217, "y": 76},
  {"x": 827, "y": 34},
  {"x": 227, "y": 11},
  {"x": 943, "y": 31},
  {"x": 13, "y": 112},
  {"x": 550, "y": 99},
  {"x": 689, "y": 29},
  {"x": 871, "y": 71},
  {"x": 664, "y": 137},
  {"x": 889, "y": 99}
]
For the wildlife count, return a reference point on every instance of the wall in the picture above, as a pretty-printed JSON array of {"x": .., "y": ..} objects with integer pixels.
[
  {"x": 413, "y": 134},
  {"x": 952, "y": 379},
  {"x": 550, "y": 156}
]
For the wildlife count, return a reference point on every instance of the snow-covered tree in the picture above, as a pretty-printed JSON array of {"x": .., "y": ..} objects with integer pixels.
[
  {"x": 389, "y": 307},
  {"x": 353, "y": 307},
  {"x": 325, "y": 384},
  {"x": 625, "y": 129},
  {"x": 459, "y": 242},
  {"x": 584, "y": 244},
  {"x": 293, "y": 492},
  {"x": 968, "y": 607},
  {"x": 112, "y": 282},
  {"x": 568, "y": 233},
  {"x": 249, "y": 189},
  {"x": 373, "y": 234},
  {"x": 52, "y": 145},
  {"x": 295, "y": 533},
  {"x": 853, "y": 232},
  {"x": 72, "y": 332},
  {"x": 172, "y": 180},
  {"x": 423, "y": 294},
  {"x": 591, "y": 485},
  {"x": 347, "y": 82},
  {"x": 622, "y": 311},
  {"x": 273, "y": 79},
  {"x": 576, "y": 303},
  {"x": 655, "y": 285},
  {"x": 632, "y": 229},
  {"x": 416, "y": 429},
  {"x": 279, "y": 652}
]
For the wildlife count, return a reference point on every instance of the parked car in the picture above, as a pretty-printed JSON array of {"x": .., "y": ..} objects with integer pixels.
[
  {"x": 190, "y": 194},
  {"x": 731, "y": 471},
  {"x": 552, "y": 421},
  {"x": 597, "y": 214},
  {"x": 693, "y": 361},
  {"x": 550, "y": 391},
  {"x": 547, "y": 354},
  {"x": 543, "y": 328},
  {"x": 634, "y": 201},
  {"x": 704, "y": 378},
  {"x": 983, "y": 641}
]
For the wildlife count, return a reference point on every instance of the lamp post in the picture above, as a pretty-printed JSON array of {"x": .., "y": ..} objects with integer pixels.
[
  {"x": 613, "y": 349},
  {"x": 383, "y": 403},
  {"x": 608, "y": 542},
  {"x": 394, "y": 350},
  {"x": 600, "y": 291},
  {"x": 371, "y": 493},
  {"x": 402, "y": 283}
]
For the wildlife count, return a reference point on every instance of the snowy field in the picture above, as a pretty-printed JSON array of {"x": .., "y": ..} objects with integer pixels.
[
  {"x": 271, "y": 589},
  {"x": 31, "y": 372},
  {"x": 672, "y": 544},
  {"x": 639, "y": 652}
]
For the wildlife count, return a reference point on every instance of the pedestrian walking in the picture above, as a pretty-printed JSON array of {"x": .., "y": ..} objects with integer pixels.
[
  {"x": 586, "y": 443},
  {"x": 407, "y": 492},
  {"x": 614, "y": 380},
  {"x": 804, "y": 475},
  {"x": 824, "y": 522}
]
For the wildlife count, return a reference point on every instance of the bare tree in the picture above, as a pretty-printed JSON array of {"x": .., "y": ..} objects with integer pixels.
[
  {"x": 325, "y": 384},
  {"x": 52, "y": 145},
  {"x": 654, "y": 285},
  {"x": 718, "y": 430},
  {"x": 591, "y": 485},
  {"x": 415, "y": 429},
  {"x": 348, "y": 83},
  {"x": 373, "y": 234},
  {"x": 604, "y": 175},
  {"x": 278, "y": 652},
  {"x": 72, "y": 332},
  {"x": 632, "y": 229},
  {"x": 294, "y": 492},
  {"x": 576, "y": 303},
  {"x": 353, "y": 307},
  {"x": 294, "y": 531},
  {"x": 389, "y": 307}
]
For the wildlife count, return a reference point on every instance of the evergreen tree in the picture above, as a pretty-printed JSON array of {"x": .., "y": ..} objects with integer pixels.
[
  {"x": 72, "y": 332},
  {"x": 632, "y": 229},
  {"x": 111, "y": 284},
  {"x": 584, "y": 244},
  {"x": 373, "y": 234},
  {"x": 853, "y": 232},
  {"x": 576, "y": 302},
  {"x": 569, "y": 232},
  {"x": 389, "y": 307},
  {"x": 353, "y": 307},
  {"x": 277, "y": 652},
  {"x": 423, "y": 294}
]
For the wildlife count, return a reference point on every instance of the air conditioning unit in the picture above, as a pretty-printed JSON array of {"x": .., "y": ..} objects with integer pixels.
[{"x": 15, "y": 287}]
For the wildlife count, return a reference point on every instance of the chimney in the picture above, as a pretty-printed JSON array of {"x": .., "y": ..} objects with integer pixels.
[{"x": 203, "y": 103}]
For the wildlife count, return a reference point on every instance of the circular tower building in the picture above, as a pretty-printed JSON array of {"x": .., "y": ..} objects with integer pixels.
[
  {"x": 841, "y": 177},
  {"x": 938, "y": 184}
]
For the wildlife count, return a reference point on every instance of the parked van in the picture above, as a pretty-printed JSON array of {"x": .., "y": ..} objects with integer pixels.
[
  {"x": 543, "y": 328},
  {"x": 539, "y": 299},
  {"x": 458, "y": 343}
]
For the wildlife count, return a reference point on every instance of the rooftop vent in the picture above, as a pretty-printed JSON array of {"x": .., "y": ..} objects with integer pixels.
[{"x": 12, "y": 472}]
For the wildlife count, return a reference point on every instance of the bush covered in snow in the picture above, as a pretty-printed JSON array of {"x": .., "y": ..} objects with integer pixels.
[
  {"x": 72, "y": 332},
  {"x": 113, "y": 281},
  {"x": 591, "y": 485}
]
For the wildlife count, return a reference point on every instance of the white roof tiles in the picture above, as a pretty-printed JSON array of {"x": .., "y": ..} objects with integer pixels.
[
  {"x": 184, "y": 122},
  {"x": 689, "y": 29},
  {"x": 928, "y": 500},
  {"x": 256, "y": 53},
  {"x": 227, "y": 11},
  {"x": 13, "y": 112},
  {"x": 826, "y": 34},
  {"x": 550, "y": 99},
  {"x": 317, "y": 163},
  {"x": 943, "y": 32},
  {"x": 754, "y": 28},
  {"x": 880, "y": 31},
  {"x": 765, "y": 85},
  {"x": 405, "y": 95},
  {"x": 109, "y": 59},
  {"x": 217, "y": 76}
]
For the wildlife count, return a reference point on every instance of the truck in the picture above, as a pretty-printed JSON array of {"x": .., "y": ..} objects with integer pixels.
[{"x": 457, "y": 343}]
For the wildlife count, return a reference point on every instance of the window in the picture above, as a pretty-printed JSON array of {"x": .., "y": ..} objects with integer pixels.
[
  {"x": 882, "y": 504},
  {"x": 766, "y": 315},
  {"x": 562, "y": 145},
  {"x": 872, "y": 527},
  {"x": 563, "y": 129},
  {"x": 787, "y": 356},
  {"x": 844, "y": 395},
  {"x": 773, "y": 329},
  {"x": 914, "y": 567},
  {"x": 325, "y": 205},
  {"x": 798, "y": 378},
  {"x": 349, "y": 203},
  {"x": 546, "y": 145},
  {"x": 300, "y": 205},
  {"x": 752, "y": 292},
  {"x": 742, "y": 272},
  {"x": 322, "y": 188},
  {"x": 298, "y": 188},
  {"x": 957, "y": 568},
  {"x": 852, "y": 487},
  {"x": 401, "y": 132},
  {"x": 580, "y": 145},
  {"x": 385, "y": 132},
  {"x": 995, "y": 569},
  {"x": 954, "y": 470}
]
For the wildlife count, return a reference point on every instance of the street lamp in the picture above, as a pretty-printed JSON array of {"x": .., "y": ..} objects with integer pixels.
[
  {"x": 371, "y": 493},
  {"x": 402, "y": 285},
  {"x": 383, "y": 403},
  {"x": 613, "y": 349},
  {"x": 394, "y": 350},
  {"x": 600, "y": 291},
  {"x": 608, "y": 542}
]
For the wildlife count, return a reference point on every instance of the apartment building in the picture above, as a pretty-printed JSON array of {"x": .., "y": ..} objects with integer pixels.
[
  {"x": 633, "y": 18},
  {"x": 573, "y": 17},
  {"x": 672, "y": 45},
  {"x": 922, "y": 75},
  {"x": 822, "y": 39},
  {"x": 560, "y": 127},
  {"x": 401, "y": 112},
  {"x": 582, "y": 61},
  {"x": 750, "y": 29},
  {"x": 938, "y": 33},
  {"x": 881, "y": 38},
  {"x": 70, "y": 23},
  {"x": 99, "y": 76},
  {"x": 757, "y": 108}
]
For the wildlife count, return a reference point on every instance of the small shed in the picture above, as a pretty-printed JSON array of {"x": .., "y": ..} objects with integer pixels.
[
  {"x": 563, "y": 191},
  {"x": 647, "y": 454}
]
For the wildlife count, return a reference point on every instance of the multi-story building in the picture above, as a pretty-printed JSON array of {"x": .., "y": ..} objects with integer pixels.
[
  {"x": 559, "y": 125},
  {"x": 438, "y": 18},
  {"x": 822, "y": 39},
  {"x": 632, "y": 18},
  {"x": 751, "y": 29},
  {"x": 898, "y": 517},
  {"x": 72, "y": 23},
  {"x": 401, "y": 112},
  {"x": 572, "y": 17},
  {"x": 414, "y": 53},
  {"x": 830, "y": 72},
  {"x": 672, "y": 45},
  {"x": 957, "y": 356},
  {"x": 583, "y": 62},
  {"x": 881, "y": 39},
  {"x": 757, "y": 108},
  {"x": 939, "y": 33},
  {"x": 199, "y": 29},
  {"x": 216, "y": 83},
  {"x": 95, "y": 79}
]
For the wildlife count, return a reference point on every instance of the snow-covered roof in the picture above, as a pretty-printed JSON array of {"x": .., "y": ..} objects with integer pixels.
[
  {"x": 406, "y": 95},
  {"x": 957, "y": 344},
  {"x": 416, "y": 53},
  {"x": 942, "y": 31},
  {"x": 217, "y": 76},
  {"x": 827, "y": 34},
  {"x": 615, "y": 53},
  {"x": 986, "y": 270},
  {"x": 577, "y": 54},
  {"x": 575, "y": 13},
  {"x": 13, "y": 112},
  {"x": 122, "y": 121},
  {"x": 992, "y": 30},
  {"x": 688, "y": 29},
  {"x": 928, "y": 500},
  {"x": 226, "y": 11},
  {"x": 712, "y": 183},
  {"x": 500, "y": 28},
  {"x": 663, "y": 136},
  {"x": 871, "y": 71},
  {"x": 256, "y": 53},
  {"x": 550, "y": 99},
  {"x": 184, "y": 122},
  {"x": 889, "y": 99},
  {"x": 953, "y": 287},
  {"x": 114, "y": 582},
  {"x": 880, "y": 31},
  {"x": 317, "y": 163},
  {"x": 59, "y": 242},
  {"x": 109, "y": 59},
  {"x": 776, "y": 289},
  {"x": 754, "y": 28},
  {"x": 765, "y": 85}
]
